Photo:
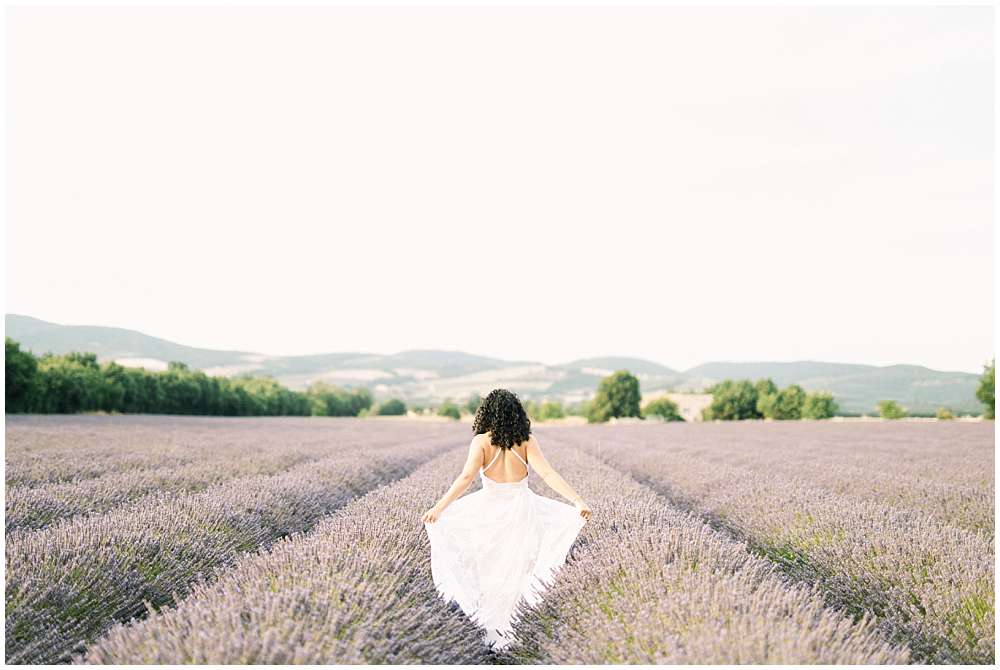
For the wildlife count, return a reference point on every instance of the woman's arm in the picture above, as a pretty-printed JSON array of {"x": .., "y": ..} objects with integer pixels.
[
  {"x": 472, "y": 465},
  {"x": 549, "y": 475}
]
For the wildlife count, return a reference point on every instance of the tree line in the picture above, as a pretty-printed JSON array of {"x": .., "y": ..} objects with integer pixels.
[
  {"x": 738, "y": 399},
  {"x": 77, "y": 382}
]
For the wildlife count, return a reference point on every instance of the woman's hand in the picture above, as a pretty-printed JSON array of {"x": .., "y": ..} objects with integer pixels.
[
  {"x": 583, "y": 508},
  {"x": 431, "y": 515}
]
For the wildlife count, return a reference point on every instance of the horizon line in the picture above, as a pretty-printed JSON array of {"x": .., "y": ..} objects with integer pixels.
[{"x": 505, "y": 360}]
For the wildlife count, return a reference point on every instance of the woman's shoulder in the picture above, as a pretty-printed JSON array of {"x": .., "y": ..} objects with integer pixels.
[{"x": 482, "y": 440}]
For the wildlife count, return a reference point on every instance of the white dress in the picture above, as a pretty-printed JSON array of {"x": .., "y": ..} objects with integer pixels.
[{"x": 499, "y": 544}]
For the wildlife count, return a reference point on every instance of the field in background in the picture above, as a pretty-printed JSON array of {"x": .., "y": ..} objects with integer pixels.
[{"x": 137, "y": 539}]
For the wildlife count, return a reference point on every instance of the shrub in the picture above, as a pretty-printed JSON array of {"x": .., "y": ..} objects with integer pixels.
[
  {"x": 449, "y": 409},
  {"x": 890, "y": 409},
  {"x": 766, "y": 392},
  {"x": 819, "y": 406},
  {"x": 944, "y": 414},
  {"x": 329, "y": 400},
  {"x": 987, "y": 390},
  {"x": 473, "y": 403},
  {"x": 732, "y": 401},
  {"x": 663, "y": 407},
  {"x": 765, "y": 405},
  {"x": 787, "y": 403},
  {"x": 617, "y": 396},
  {"x": 551, "y": 410},
  {"x": 21, "y": 370},
  {"x": 392, "y": 407}
]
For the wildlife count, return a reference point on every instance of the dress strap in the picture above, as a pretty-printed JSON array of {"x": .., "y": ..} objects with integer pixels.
[
  {"x": 491, "y": 462},
  {"x": 521, "y": 459},
  {"x": 497, "y": 455}
]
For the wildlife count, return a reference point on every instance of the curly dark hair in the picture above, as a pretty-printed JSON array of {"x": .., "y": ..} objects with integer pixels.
[{"x": 502, "y": 415}]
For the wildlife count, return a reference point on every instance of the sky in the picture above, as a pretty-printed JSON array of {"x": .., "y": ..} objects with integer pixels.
[{"x": 682, "y": 185}]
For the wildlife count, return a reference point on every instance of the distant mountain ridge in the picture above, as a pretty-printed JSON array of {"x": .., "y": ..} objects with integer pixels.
[{"x": 423, "y": 376}]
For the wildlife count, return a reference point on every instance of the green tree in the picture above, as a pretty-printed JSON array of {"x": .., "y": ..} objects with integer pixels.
[
  {"x": 765, "y": 386},
  {"x": 114, "y": 387},
  {"x": 890, "y": 409},
  {"x": 663, "y": 407},
  {"x": 766, "y": 405},
  {"x": 787, "y": 403},
  {"x": 551, "y": 410},
  {"x": 732, "y": 401},
  {"x": 68, "y": 384},
  {"x": 84, "y": 359},
  {"x": 986, "y": 393},
  {"x": 327, "y": 400},
  {"x": 819, "y": 406},
  {"x": 77, "y": 382},
  {"x": 360, "y": 399},
  {"x": 617, "y": 396},
  {"x": 767, "y": 392},
  {"x": 392, "y": 407},
  {"x": 183, "y": 393},
  {"x": 21, "y": 369},
  {"x": 473, "y": 403},
  {"x": 449, "y": 409}
]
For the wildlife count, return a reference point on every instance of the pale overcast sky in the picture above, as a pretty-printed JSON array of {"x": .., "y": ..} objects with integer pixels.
[{"x": 679, "y": 185}]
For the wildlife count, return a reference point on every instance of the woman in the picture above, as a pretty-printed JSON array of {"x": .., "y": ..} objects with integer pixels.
[{"x": 503, "y": 542}]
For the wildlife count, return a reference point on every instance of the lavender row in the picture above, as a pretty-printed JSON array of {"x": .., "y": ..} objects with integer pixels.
[
  {"x": 43, "y": 450},
  {"x": 355, "y": 590},
  {"x": 69, "y": 583},
  {"x": 648, "y": 584},
  {"x": 931, "y": 585},
  {"x": 860, "y": 475},
  {"x": 951, "y": 453},
  {"x": 34, "y": 508},
  {"x": 222, "y": 455}
]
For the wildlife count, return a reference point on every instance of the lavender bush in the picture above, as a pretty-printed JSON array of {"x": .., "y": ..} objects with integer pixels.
[
  {"x": 931, "y": 584},
  {"x": 211, "y": 457},
  {"x": 44, "y": 449},
  {"x": 40, "y": 506},
  {"x": 356, "y": 589},
  {"x": 68, "y": 583},
  {"x": 944, "y": 471},
  {"x": 232, "y": 540},
  {"x": 650, "y": 584},
  {"x": 279, "y": 606}
]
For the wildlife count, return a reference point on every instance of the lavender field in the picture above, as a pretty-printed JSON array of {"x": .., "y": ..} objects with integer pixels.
[{"x": 143, "y": 539}]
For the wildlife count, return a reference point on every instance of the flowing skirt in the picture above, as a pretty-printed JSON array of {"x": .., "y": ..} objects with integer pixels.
[{"x": 497, "y": 545}]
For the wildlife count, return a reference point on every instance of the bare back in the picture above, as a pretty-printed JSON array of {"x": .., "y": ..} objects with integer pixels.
[{"x": 504, "y": 468}]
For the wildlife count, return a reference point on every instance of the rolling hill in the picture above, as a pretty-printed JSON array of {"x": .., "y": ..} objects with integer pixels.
[{"x": 426, "y": 376}]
